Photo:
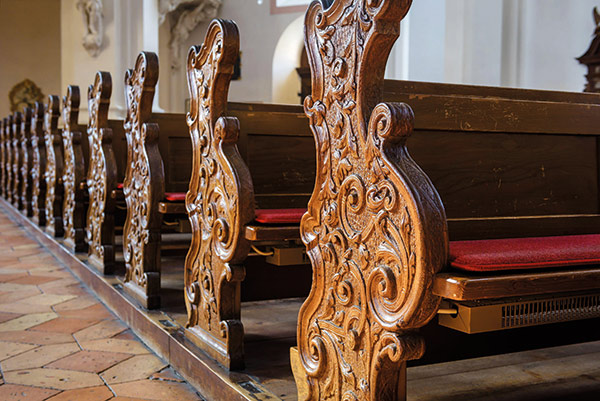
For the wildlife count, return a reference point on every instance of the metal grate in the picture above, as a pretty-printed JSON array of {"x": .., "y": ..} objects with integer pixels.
[{"x": 550, "y": 311}]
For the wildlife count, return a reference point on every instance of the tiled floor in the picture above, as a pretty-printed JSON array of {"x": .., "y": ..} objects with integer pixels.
[{"x": 59, "y": 343}]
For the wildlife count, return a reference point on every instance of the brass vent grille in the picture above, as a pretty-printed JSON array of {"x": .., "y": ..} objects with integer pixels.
[{"x": 478, "y": 317}]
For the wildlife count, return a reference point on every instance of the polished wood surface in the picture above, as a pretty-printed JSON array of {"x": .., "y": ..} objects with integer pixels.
[
  {"x": 54, "y": 168},
  {"x": 375, "y": 230},
  {"x": 16, "y": 160},
  {"x": 2, "y": 159},
  {"x": 101, "y": 177},
  {"x": 38, "y": 165},
  {"x": 219, "y": 201},
  {"x": 26, "y": 162},
  {"x": 74, "y": 173},
  {"x": 8, "y": 148}
]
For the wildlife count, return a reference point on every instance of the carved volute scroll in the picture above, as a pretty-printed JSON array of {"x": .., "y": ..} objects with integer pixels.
[
  {"x": 219, "y": 201},
  {"x": 9, "y": 157},
  {"x": 375, "y": 229},
  {"x": 16, "y": 161},
  {"x": 73, "y": 174},
  {"x": 54, "y": 168},
  {"x": 144, "y": 184},
  {"x": 102, "y": 176},
  {"x": 38, "y": 165},
  {"x": 25, "y": 170}
]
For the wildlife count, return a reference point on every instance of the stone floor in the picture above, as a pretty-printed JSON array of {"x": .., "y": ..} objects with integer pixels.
[{"x": 59, "y": 343}]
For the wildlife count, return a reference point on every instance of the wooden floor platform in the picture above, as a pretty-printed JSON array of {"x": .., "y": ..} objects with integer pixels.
[{"x": 565, "y": 372}]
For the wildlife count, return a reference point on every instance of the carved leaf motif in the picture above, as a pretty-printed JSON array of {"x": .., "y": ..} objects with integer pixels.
[
  {"x": 9, "y": 156},
  {"x": 375, "y": 228},
  {"x": 38, "y": 164},
  {"x": 141, "y": 191},
  {"x": 16, "y": 146},
  {"x": 54, "y": 190},
  {"x": 219, "y": 199},
  {"x": 98, "y": 103},
  {"x": 26, "y": 161},
  {"x": 73, "y": 169}
]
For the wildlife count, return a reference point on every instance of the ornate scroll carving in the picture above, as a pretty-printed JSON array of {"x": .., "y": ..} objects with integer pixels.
[
  {"x": 91, "y": 10},
  {"x": 102, "y": 177},
  {"x": 144, "y": 184},
  {"x": 73, "y": 174},
  {"x": 375, "y": 229},
  {"x": 8, "y": 148},
  {"x": 16, "y": 160},
  {"x": 219, "y": 201},
  {"x": 25, "y": 171},
  {"x": 38, "y": 165},
  {"x": 2, "y": 159},
  {"x": 54, "y": 168}
]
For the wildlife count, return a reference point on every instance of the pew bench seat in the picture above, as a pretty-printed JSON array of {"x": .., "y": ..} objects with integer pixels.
[{"x": 494, "y": 255}]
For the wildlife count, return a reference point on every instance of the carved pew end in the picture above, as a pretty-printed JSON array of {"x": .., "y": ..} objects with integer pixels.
[{"x": 149, "y": 299}]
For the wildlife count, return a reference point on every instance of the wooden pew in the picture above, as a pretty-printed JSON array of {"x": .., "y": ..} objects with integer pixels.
[
  {"x": 3, "y": 172},
  {"x": 16, "y": 160},
  {"x": 54, "y": 168},
  {"x": 158, "y": 169},
  {"x": 500, "y": 163},
  {"x": 26, "y": 162},
  {"x": 8, "y": 149},
  {"x": 272, "y": 168},
  {"x": 75, "y": 155},
  {"x": 38, "y": 165},
  {"x": 107, "y": 155}
]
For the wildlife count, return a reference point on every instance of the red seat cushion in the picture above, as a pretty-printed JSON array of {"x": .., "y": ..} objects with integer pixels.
[
  {"x": 525, "y": 253},
  {"x": 120, "y": 185},
  {"x": 175, "y": 196},
  {"x": 279, "y": 216}
]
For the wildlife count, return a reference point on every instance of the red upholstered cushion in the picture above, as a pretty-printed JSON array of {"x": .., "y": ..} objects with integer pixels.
[
  {"x": 279, "y": 216},
  {"x": 120, "y": 185},
  {"x": 175, "y": 196},
  {"x": 525, "y": 253}
]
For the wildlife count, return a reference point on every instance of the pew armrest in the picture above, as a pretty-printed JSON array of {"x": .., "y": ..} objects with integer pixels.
[{"x": 272, "y": 233}]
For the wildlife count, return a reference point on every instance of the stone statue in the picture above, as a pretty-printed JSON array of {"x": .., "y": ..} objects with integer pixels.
[{"x": 93, "y": 22}]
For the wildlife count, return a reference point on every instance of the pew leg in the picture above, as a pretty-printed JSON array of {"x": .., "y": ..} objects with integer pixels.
[{"x": 142, "y": 268}]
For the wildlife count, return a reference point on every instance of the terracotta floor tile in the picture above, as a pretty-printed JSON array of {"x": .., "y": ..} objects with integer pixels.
[
  {"x": 15, "y": 287},
  {"x": 4, "y": 316},
  {"x": 77, "y": 303},
  {"x": 90, "y": 361},
  {"x": 21, "y": 308},
  {"x": 98, "y": 393},
  {"x": 65, "y": 325},
  {"x": 115, "y": 345},
  {"x": 167, "y": 374},
  {"x": 27, "y": 321},
  {"x": 74, "y": 289},
  {"x": 97, "y": 311},
  {"x": 59, "y": 282},
  {"x": 127, "y": 399},
  {"x": 54, "y": 378},
  {"x": 127, "y": 335},
  {"x": 10, "y": 270},
  {"x": 12, "y": 296},
  {"x": 104, "y": 329},
  {"x": 35, "y": 280},
  {"x": 9, "y": 349},
  {"x": 5, "y": 278},
  {"x": 13, "y": 392},
  {"x": 35, "y": 337},
  {"x": 135, "y": 368},
  {"x": 156, "y": 390},
  {"x": 48, "y": 299},
  {"x": 38, "y": 357}
]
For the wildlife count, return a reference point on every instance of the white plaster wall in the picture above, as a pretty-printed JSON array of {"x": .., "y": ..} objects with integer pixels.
[
  {"x": 122, "y": 42},
  {"x": 29, "y": 46}
]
